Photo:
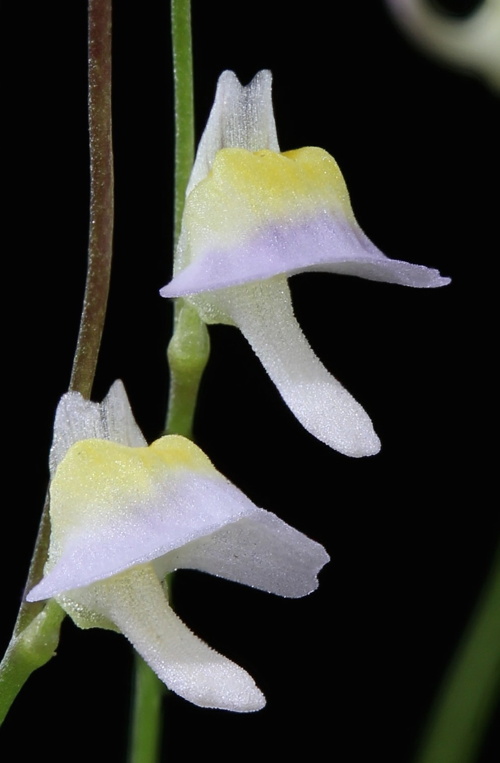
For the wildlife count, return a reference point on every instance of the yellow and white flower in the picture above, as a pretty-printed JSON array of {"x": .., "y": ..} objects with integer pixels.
[
  {"x": 253, "y": 217},
  {"x": 124, "y": 515}
]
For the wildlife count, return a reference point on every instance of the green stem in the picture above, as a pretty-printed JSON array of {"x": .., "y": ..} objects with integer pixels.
[
  {"x": 145, "y": 733},
  {"x": 187, "y": 355},
  {"x": 189, "y": 347},
  {"x": 27, "y": 651},
  {"x": 36, "y": 632},
  {"x": 471, "y": 687},
  {"x": 182, "y": 53}
]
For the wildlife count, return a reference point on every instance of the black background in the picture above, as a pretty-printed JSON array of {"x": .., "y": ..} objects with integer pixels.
[{"x": 350, "y": 670}]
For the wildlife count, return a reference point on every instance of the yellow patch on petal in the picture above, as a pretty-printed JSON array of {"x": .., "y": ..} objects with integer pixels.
[
  {"x": 246, "y": 191},
  {"x": 176, "y": 451},
  {"x": 305, "y": 178},
  {"x": 98, "y": 477}
]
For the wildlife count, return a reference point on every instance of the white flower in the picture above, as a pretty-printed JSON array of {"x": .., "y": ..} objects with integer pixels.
[
  {"x": 471, "y": 43},
  {"x": 124, "y": 515},
  {"x": 253, "y": 217}
]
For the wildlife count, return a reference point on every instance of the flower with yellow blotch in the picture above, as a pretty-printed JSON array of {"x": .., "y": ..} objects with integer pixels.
[
  {"x": 253, "y": 217},
  {"x": 124, "y": 515}
]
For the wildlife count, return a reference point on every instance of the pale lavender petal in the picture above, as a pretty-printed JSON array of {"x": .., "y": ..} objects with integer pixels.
[
  {"x": 260, "y": 550},
  {"x": 180, "y": 508},
  {"x": 322, "y": 243}
]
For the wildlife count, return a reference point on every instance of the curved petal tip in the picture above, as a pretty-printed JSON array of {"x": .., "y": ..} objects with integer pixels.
[{"x": 263, "y": 312}]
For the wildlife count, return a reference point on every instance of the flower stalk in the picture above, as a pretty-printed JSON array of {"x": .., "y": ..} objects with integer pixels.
[
  {"x": 28, "y": 650},
  {"x": 36, "y": 633},
  {"x": 187, "y": 354},
  {"x": 189, "y": 347},
  {"x": 101, "y": 198}
]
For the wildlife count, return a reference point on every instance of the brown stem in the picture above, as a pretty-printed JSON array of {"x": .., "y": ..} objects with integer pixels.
[
  {"x": 23, "y": 656},
  {"x": 101, "y": 198},
  {"x": 99, "y": 252}
]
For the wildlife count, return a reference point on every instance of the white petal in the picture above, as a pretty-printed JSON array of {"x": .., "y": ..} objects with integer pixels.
[
  {"x": 118, "y": 422},
  {"x": 135, "y": 602},
  {"x": 261, "y": 551},
  {"x": 241, "y": 117},
  {"x": 101, "y": 540},
  {"x": 264, "y": 314},
  {"x": 79, "y": 419}
]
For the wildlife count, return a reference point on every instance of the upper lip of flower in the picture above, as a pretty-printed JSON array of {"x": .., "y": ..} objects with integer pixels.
[
  {"x": 252, "y": 218},
  {"x": 124, "y": 515}
]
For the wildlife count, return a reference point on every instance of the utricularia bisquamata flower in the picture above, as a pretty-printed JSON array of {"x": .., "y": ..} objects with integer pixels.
[
  {"x": 253, "y": 217},
  {"x": 124, "y": 515}
]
